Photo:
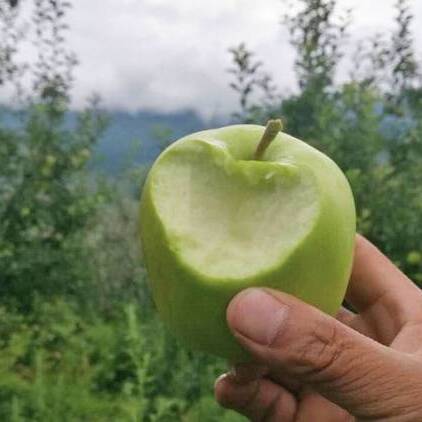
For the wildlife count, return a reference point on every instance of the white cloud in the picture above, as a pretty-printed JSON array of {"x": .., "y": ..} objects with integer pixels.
[{"x": 167, "y": 54}]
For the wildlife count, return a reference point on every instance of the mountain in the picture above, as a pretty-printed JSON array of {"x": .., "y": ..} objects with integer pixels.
[
  {"x": 132, "y": 138},
  {"x": 138, "y": 138}
]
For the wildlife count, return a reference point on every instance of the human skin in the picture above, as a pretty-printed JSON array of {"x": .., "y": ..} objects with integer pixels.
[{"x": 309, "y": 366}]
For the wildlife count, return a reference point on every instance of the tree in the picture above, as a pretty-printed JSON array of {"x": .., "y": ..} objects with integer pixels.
[
  {"x": 405, "y": 72},
  {"x": 11, "y": 33},
  {"x": 317, "y": 36},
  {"x": 389, "y": 62},
  {"x": 250, "y": 79},
  {"x": 46, "y": 202}
]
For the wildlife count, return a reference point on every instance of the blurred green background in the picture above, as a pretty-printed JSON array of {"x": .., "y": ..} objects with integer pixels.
[{"x": 79, "y": 338}]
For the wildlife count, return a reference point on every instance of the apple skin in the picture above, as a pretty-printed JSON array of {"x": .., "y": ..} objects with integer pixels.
[{"x": 316, "y": 270}]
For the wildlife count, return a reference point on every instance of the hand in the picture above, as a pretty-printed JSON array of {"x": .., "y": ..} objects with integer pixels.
[{"x": 309, "y": 366}]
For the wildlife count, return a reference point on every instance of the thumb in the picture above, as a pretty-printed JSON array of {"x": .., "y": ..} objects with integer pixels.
[{"x": 298, "y": 341}]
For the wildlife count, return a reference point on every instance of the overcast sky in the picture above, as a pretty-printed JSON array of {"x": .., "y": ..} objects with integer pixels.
[{"x": 167, "y": 55}]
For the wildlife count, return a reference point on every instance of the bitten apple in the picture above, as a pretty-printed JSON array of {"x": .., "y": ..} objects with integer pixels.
[{"x": 242, "y": 206}]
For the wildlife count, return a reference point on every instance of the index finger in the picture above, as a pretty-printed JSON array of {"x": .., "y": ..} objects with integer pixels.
[{"x": 380, "y": 292}]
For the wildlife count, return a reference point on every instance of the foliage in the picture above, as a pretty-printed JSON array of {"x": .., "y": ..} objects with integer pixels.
[
  {"x": 45, "y": 201},
  {"x": 250, "y": 79},
  {"x": 53, "y": 69},
  {"x": 11, "y": 33},
  {"x": 44, "y": 205},
  {"x": 317, "y": 37},
  {"x": 57, "y": 365},
  {"x": 405, "y": 67}
]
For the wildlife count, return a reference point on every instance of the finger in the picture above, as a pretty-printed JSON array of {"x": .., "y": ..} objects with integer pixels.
[
  {"x": 384, "y": 297},
  {"x": 258, "y": 400},
  {"x": 345, "y": 316},
  {"x": 409, "y": 338},
  {"x": 316, "y": 408},
  {"x": 356, "y": 322},
  {"x": 346, "y": 367}
]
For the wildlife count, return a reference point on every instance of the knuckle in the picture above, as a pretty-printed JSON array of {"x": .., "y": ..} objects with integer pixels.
[{"x": 318, "y": 352}]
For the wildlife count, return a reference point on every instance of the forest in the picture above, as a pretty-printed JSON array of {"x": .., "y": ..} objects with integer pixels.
[{"x": 79, "y": 337}]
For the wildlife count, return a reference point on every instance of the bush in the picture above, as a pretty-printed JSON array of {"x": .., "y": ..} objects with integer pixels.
[
  {"x": 57, "y": 365},
  {"x": 45, "y": 205}
]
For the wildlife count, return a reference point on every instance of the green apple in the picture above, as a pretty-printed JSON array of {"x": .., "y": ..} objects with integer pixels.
[{"x": 242, "y": 206}]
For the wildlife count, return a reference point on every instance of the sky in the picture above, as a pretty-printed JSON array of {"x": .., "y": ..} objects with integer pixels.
[{"x": 169, "y": 55}]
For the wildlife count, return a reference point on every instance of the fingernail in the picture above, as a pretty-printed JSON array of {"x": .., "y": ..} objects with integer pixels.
[
  {"x": 220, "y": 378},
  {"x": 257, "y": 315}
]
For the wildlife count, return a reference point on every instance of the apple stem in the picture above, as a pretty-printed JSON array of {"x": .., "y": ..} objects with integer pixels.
[{"x": 271, "y": 131}]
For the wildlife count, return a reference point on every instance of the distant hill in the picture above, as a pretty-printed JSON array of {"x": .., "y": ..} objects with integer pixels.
[
  {"x": 139, "y": 137},
  {"x": 133, "y": 138}
]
